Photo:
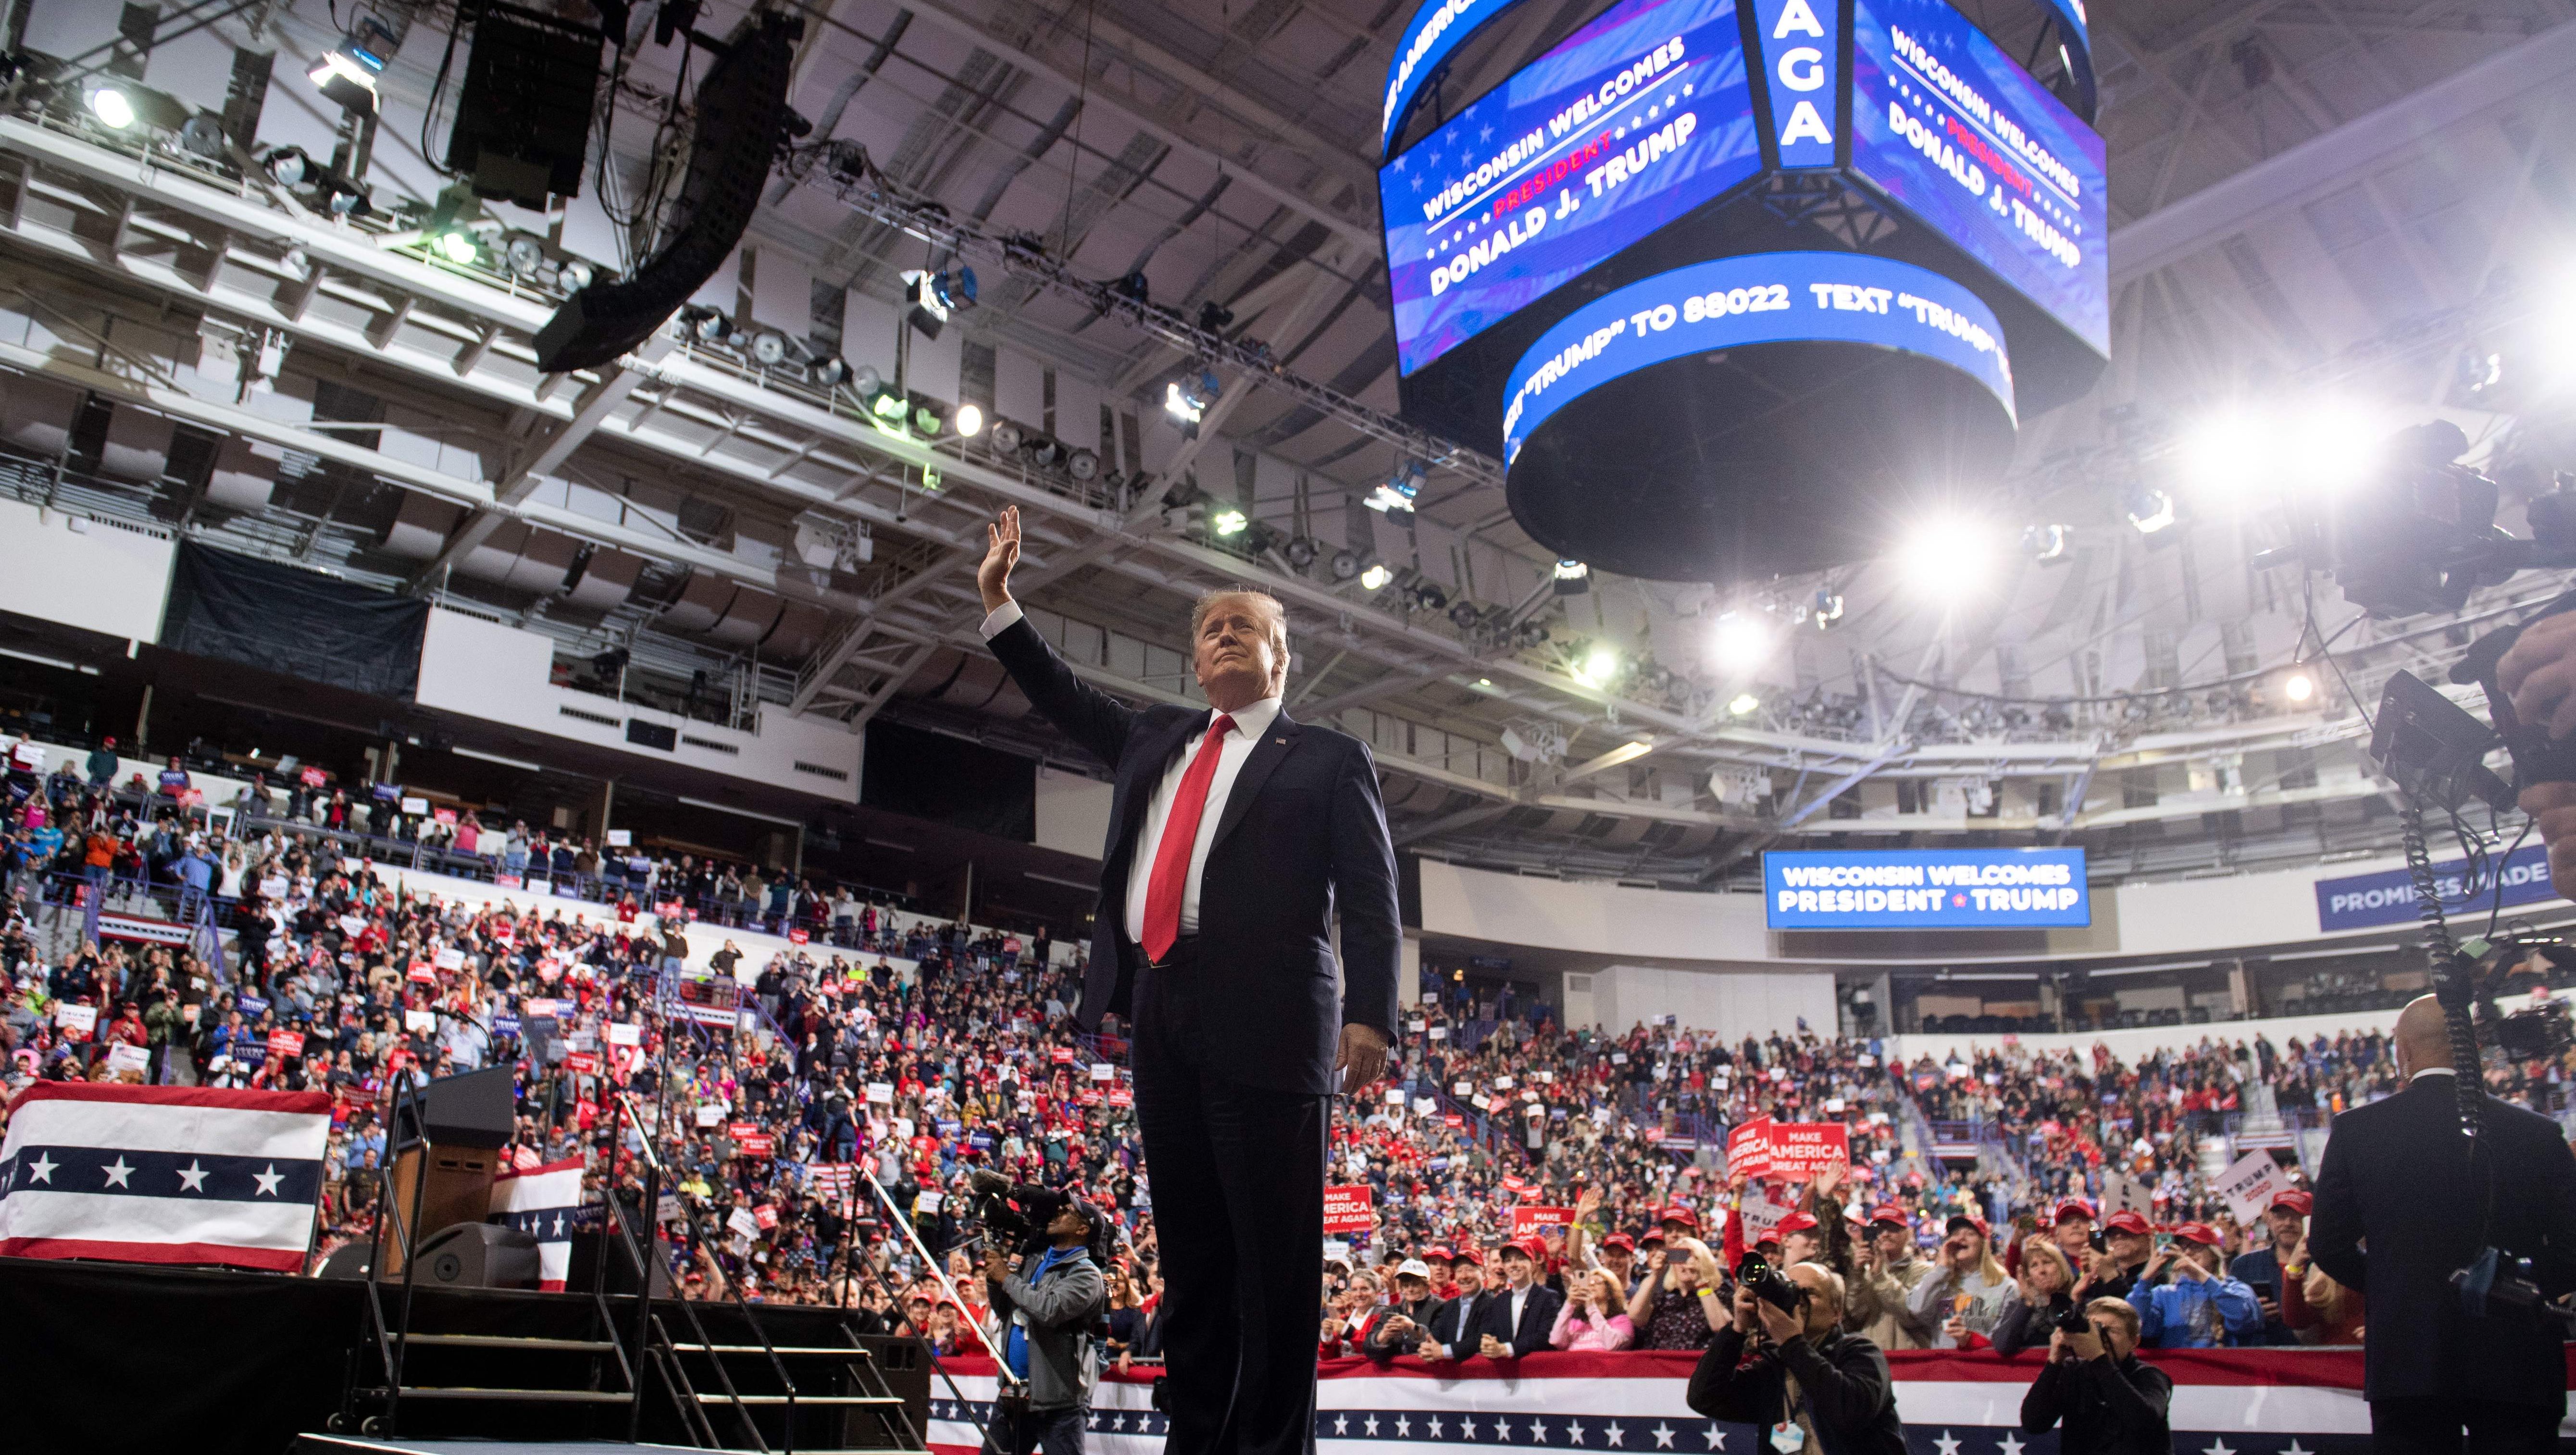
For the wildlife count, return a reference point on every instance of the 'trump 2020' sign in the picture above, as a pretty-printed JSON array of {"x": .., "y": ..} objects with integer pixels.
[{"x": 1915, "y": 889}]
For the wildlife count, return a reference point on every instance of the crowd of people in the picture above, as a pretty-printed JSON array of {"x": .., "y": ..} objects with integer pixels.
[{"x": 1534, "y": 1185}]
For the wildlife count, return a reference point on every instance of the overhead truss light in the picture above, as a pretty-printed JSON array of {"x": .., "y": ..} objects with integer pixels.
[
  {"x": 1375, "y": 577},
  {"x": 1187, "y": 402},
  {"x": 112, "y": 107},
  {"x": 1573, "y": 578},
  {"x": 347, "y": 75},
  {"x": 2150, "y": 510},
  {"x": 1400, "y": 490}
]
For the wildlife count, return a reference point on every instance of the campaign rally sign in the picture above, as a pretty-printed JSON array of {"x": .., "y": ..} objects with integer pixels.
[
  {"x": 2251, "y": 1182},
  {"x": 2362, "y": 901},
  {"x": 1531, "y": 1219},
  {"x": 1795, "y": 1151},
  {"x": 163, "y": 1174},
  {"x": 1748, "y": 1153},
  {"x": 1925, "y": 889},
  {"x": 1346, "y": 1210}
]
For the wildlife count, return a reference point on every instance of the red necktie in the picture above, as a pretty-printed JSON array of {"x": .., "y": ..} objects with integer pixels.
[{"x": 1180, "y": 836}]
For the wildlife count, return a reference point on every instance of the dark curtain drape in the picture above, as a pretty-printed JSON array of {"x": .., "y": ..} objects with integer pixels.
[
  {"x": 294, "y": 622},
  {"x": 948, "y": 780}
]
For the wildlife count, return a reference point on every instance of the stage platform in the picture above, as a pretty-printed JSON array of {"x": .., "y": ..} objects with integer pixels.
[
  {"x": 110, "y": 1358},
  {"x": 372, "y": 1446}
]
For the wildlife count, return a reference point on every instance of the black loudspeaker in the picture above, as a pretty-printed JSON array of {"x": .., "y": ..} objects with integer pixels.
[
  {"x": 742, "y": 115},
  {"x": 523, "y": 118},
  {"x": 476, "y": 1109},
  {"x": 478, "y": 1255},
  {"x": 347, "y": 1262},
  {"x": 621, "y": 1271}
]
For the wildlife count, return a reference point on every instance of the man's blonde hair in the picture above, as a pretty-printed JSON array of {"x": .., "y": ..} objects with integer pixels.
[
  {"x": 2120, "y": 1311},
  {"x": 1270, "y": 607}
]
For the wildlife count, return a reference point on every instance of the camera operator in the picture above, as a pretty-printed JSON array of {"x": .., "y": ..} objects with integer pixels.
[
  {"x": 1051, "y": 1304},
  {"x": 1809, "y": 1385},
  {"x": 2111, "y": 1401},
  {"x": 2396, "y": 1177},
  {"x": 2538, "y": 672}
]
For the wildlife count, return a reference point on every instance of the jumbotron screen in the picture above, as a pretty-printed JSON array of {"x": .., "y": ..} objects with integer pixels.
[
  {"x": 1635, "y": 119},
  {"x": 1925, "y": 889},
  {"x": 1956, "y": 132}
]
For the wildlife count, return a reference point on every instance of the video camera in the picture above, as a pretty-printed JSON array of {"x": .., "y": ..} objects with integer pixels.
[
  {"x": 2418, "y": 534},
  {"x": 1770, "y": 1285}
]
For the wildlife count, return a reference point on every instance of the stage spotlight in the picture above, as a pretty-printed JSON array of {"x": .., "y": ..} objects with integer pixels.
[
  {"x": 1228, "y": 522},
  {"x": 2300, "y": 687},
  {"x": 829, "y": 372},
  {"x": 1299, "y": 553},
  {"x": 1188, "y": 402},
  {"x": 1744, "y": 705},
  {"x": 1827, "y": 609},
  {"x": 2046, "y": 544},
  {"x": 576, "y": 275},
  {"x": 2149, "y": 510},
  {"x": 1134, "y": 288},
  {"x": 1740, "y": 643},
  {"x": 770, "y": 349},
  {"x": 1007, "y": 436},
  {"x": 1375, "y": 577},
  {"x": 456, "y": 247},
  {"x": 347, "y": 76},
  {"x": 1046, "y": 453},
  {"x": 524, "y": 255},
  {"x": 1464, "y": 616},
  {"x": 1530, "y": 634},
  {"x": 1598, "y": 666},
  {"x": 112, "y": 108},
  {"x": 1573, "y": 578},
  {"x": 927, "y": 421},
  {"x": 1946, "y": 556},
  {"x": 1215, "y": 317},
  {"x": 287, "y": 166},
  {"x": 970, "y": 420},
  {"x": 1345, "y": 565},
  {"x": 1083, "y": 464}
]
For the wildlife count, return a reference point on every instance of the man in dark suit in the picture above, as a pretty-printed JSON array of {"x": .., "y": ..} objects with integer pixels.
[
  {"x": 1522, "y": 1314},
  {"x": 1455, "y": 1330},
  {"x": 1235, "y": 833},
  {"x": 2397, "y": 1178}
]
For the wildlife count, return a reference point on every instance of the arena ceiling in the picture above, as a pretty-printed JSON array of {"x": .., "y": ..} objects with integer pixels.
[{"x": 2330, "y": 219}]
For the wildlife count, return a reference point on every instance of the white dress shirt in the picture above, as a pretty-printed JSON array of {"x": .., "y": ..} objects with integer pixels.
[
  {"x": 1520, "y": 1300},
  {"x": 1250, "y": 722}
]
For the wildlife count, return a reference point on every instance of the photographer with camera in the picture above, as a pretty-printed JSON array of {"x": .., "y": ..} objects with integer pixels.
[
  {"x": 1808, "y": 1384},
  {"x": 1052, "y": 1304},
  {"x": 2112, "y": 1402},
  {"x": 2399, "y": 1177}
]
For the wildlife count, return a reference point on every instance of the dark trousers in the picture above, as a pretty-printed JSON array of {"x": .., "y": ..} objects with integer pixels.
[
  {"x": 1237, "y": 1174},
  {"x": 2433, "y": 1425},
  {"x": 1054, "y": 1432}
]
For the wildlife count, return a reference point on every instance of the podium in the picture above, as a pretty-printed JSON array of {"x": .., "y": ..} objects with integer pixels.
[{"x": 451, "y": 1152}]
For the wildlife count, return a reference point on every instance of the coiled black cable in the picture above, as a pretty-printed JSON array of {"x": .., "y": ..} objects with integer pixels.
[{"x": 2450, "y": 978}]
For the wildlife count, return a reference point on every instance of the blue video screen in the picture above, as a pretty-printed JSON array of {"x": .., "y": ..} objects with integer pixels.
[
  {"x": 1926, "y": 889},
  {"x": 1956, "y": 132},
  {"x": 1635, "y": 119}
]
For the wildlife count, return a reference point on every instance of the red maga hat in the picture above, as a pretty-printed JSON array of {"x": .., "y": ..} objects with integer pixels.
[
  {"x": 2073, "y": 1207},
  {"x": 2125, "y": 1221},
  {"x": 2296, "y": 1201},
  {"x": 1888, "y": 1212},
  {"x": 1796, "y": 1222},
  {"x": 2201, "y": 1233},
  {"x": 1678, "y": 1214}
]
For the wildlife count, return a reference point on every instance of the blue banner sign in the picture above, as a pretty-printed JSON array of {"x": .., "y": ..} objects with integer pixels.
[
  {"x": 1628, "y": 123},
  {"x": 1926, "y": 889},
  {"x": 1802, "y": 69},
  {"x": 2363, "y": 901},
  {"x": 1764, "y": 298},
  {"x": 1435, "y": 31},
  {"x": 1954, "y": 131}
]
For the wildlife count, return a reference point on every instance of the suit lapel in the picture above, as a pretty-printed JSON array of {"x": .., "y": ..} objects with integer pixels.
[{"x": 1274, "y": 745}]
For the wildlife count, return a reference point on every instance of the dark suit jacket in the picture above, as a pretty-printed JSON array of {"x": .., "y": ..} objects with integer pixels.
[
  {"x": 1460, "y": 1321},
  {"x": 2394, "y": 1174},
  {"x": 1538, "y": 1319},
  {"x": 1303, "y": 832}
]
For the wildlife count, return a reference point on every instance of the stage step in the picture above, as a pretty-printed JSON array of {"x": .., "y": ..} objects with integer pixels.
[
  {"x": 514, "y": 1396},
  {"x": 841, "y": 1401},
  {"x": 522, "y": 1343},
  {"x": 785, "y": 1351}
]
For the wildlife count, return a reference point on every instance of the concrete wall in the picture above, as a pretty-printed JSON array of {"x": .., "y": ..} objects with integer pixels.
[
  {"x": 1736, "y": 1005},
  {"x": 101, "y": 576},
  {"x": 1072, "y": 814},
  {"x": 500, "y": 674}
]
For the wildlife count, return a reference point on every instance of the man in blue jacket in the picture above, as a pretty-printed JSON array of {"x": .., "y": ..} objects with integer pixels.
[{"x": 2201, "y": 1308}]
